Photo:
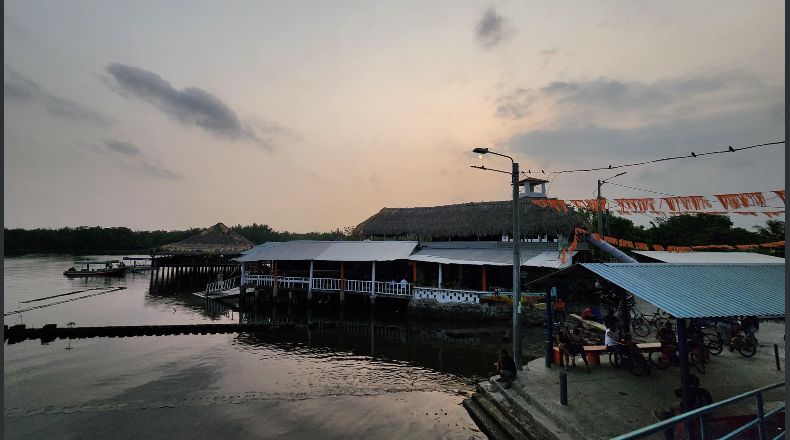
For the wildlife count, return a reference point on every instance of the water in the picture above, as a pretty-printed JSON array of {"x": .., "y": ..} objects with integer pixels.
[{"x": 403, "y": 379}]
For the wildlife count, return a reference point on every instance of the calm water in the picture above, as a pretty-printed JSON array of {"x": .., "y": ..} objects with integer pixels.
[{"x": 406, "y": 380}]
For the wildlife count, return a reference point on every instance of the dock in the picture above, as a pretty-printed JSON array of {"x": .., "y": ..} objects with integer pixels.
[{"x": 50, "y": 332}]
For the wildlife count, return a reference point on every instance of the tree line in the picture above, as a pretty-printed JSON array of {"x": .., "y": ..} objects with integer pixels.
[
  {"x": 691, "y": 230},
  {"x": 96, "y": 239}
]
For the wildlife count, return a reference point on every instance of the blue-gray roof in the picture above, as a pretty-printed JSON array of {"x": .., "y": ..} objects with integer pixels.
[{"x": 701, "y": 290}]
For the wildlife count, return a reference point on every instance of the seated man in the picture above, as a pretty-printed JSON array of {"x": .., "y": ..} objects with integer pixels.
[
  {"x": 506, "y": 369},
  {"x": 666, "y": 336},
  {"x": 587, "y": 313},
  {"x": 576, "y": 347}
]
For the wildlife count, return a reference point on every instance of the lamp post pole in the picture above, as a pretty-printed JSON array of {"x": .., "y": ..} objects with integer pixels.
[
  {"x": 516, "y": 237},
  {"x": 516, "y": 273}
]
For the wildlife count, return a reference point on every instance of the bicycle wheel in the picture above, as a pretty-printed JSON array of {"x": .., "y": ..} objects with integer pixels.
[
  {"x": 748, "y": 346},
  {"x": 696, "y": 360},
  {"x": 660, "y": 359},
  {"x": 713, "y": 343},
  {"x": 640, "y": 327},
  {"x": 616, "y": 359},
  {"x": 659, "y": 322}
]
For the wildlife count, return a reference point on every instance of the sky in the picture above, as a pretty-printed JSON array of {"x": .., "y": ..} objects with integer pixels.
[{"x": 311, "y": 116}]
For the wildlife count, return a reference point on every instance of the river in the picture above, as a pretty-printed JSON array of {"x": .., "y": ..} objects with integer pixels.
[{"x": 406, "y": 380}]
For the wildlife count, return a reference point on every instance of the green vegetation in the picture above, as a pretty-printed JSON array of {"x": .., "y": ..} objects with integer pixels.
[
  {"x": 95, "y": 239},
  {"x": 691, "y": 230}
]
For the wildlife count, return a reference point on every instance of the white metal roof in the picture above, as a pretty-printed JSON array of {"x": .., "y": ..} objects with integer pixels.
[
  {"x": 306, "y": 250},
  {"x": 710, "y": 257},
  {"x": 492, "y": 256}
]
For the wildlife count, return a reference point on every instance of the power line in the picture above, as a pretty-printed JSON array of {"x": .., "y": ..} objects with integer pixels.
[{"x": 730, "y": 149}]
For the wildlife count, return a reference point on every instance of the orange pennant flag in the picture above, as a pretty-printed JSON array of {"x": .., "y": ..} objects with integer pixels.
[
  {"x": 658, "y": 247},
  {"x": 780, "y": 193}
]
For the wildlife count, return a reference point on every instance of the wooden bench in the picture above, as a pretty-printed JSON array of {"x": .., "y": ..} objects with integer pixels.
[{"x": 593, "y": 352}]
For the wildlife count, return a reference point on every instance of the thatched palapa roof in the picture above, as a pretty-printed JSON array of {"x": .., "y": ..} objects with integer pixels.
[
  {"x": 467, "y": 220},
  {"x": 216, "y": 240}
]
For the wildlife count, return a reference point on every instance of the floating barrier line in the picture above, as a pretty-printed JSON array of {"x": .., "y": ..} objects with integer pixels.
[
  {"x": 62, "y": 302},
  {"x": 63, "y": 294}
]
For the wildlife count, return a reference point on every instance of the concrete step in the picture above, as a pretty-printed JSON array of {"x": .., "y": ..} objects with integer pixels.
[
  {"x": 488, "y": 425},
  {"x": 535, "y": 420},
  {"x": 487, "y": 401}
]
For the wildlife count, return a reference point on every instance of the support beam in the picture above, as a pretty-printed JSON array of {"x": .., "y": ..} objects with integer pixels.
[
  {"x": 684, "y": 365},
  {"x": 414, "y": 272},
  {"x": 549, "y": 328},
  {"x": 373, "y": 281},
  {"x": 275, "y": 276},
  {"x": 342, "y": 279},
  {"x": 310, "y": 284},
  {"x": 440, "y": 276},
  {"x": 485, "y": 281}
]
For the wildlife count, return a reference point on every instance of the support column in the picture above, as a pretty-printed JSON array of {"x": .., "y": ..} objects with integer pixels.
[
  {"x": 310, "y": 283},
  {"x": 485, "y": 281},
  {"x": 549, "y": 327},
  {"x": 414, "y": 273},
  {"x": 373, "y": 281},
  {"x": 684, "y": 366},
  {"x": 342, "y": 282},
  {"x": 440, "y": 276},
  {"x": 274, "y": 288}
]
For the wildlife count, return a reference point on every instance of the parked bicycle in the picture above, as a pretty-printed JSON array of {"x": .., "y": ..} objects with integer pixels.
[
  {"x": 669, "y": 355},
  {"x": 745, "y": 343},
  {"x": 621, "y": 354},
  {"x": 656, "y": 320}
]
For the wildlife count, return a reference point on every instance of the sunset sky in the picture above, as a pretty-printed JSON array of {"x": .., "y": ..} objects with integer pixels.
[{"x": 315, "y": 115}]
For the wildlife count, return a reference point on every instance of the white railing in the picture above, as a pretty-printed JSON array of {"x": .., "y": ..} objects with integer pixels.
[
  {"x": 448, "y": 295},
  {"x": 326, "y": 284},
  {"x": 331, "y": 284},
  {"x": 393, "y": 288},
  {"x": 258, "y": 280},
  {"x": 221, "y": 286}
]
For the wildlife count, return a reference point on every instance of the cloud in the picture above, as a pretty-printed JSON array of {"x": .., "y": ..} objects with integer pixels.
[
  {"x": 492, "y": 29},
  {"x": 18, "y": 89},
  {"x": 132, "y": 158},
  {"x": 190, "y": 106},
  {"x": 627, "y": 104}
]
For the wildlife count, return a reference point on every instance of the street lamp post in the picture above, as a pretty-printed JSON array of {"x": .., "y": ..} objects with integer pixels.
[
  {"x": 599, "y": 198},
  {"x": 516, "y": 260}
]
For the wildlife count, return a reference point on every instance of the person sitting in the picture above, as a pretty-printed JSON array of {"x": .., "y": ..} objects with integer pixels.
[
  {"x": 506, "y": 369},
  {"x": 587, "y": 313},
  {"x": 563, "y": 340},
  {"x": 666, "y": 336},
  {"x": 576, "y": 347},
  {"x": 610, "y": 337},
  {"x": 750, "y": 324}
]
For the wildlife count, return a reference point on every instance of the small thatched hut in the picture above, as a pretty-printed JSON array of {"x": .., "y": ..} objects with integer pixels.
[
  {"x": 467, "y": 221},
  {"x": 216, "y": 240}
]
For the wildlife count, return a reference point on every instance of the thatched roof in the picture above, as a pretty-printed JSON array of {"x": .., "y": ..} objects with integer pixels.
[
  {"x": 467, "y": 220},
  {"x": 216, "y": 240}
]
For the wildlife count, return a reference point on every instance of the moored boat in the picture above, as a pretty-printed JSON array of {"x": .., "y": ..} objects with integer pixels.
[{"x": 109, "y": 268}]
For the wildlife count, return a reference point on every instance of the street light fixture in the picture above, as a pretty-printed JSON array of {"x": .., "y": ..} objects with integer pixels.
[
  {"x": 600, "y": 211},
  {"x": 516, "y": 256}
]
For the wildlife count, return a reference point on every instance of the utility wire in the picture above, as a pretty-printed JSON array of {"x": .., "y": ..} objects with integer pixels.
[{"x": 730, "y": 149}]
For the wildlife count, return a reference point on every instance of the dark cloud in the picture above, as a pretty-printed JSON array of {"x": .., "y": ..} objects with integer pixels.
[
  {"x": 516, "y": 104},
  {"x": 593, "y": 101},
  {"x": 132, "y": 158},
  {"x": 492, "y": 29},
  {"x": 17, "y": 88},
  {"x": 190, "y": 106},
  {"x": 576, "y": 145}
]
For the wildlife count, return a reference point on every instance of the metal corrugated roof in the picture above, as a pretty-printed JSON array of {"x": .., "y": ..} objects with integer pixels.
[
  {"x": 701, "y": 290},
  {"x": 710, "y": 257},
  {"x": 268, "y": 244},
  {"x": 492, "y": 256},
  {"x": 305, "y": 250}
]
